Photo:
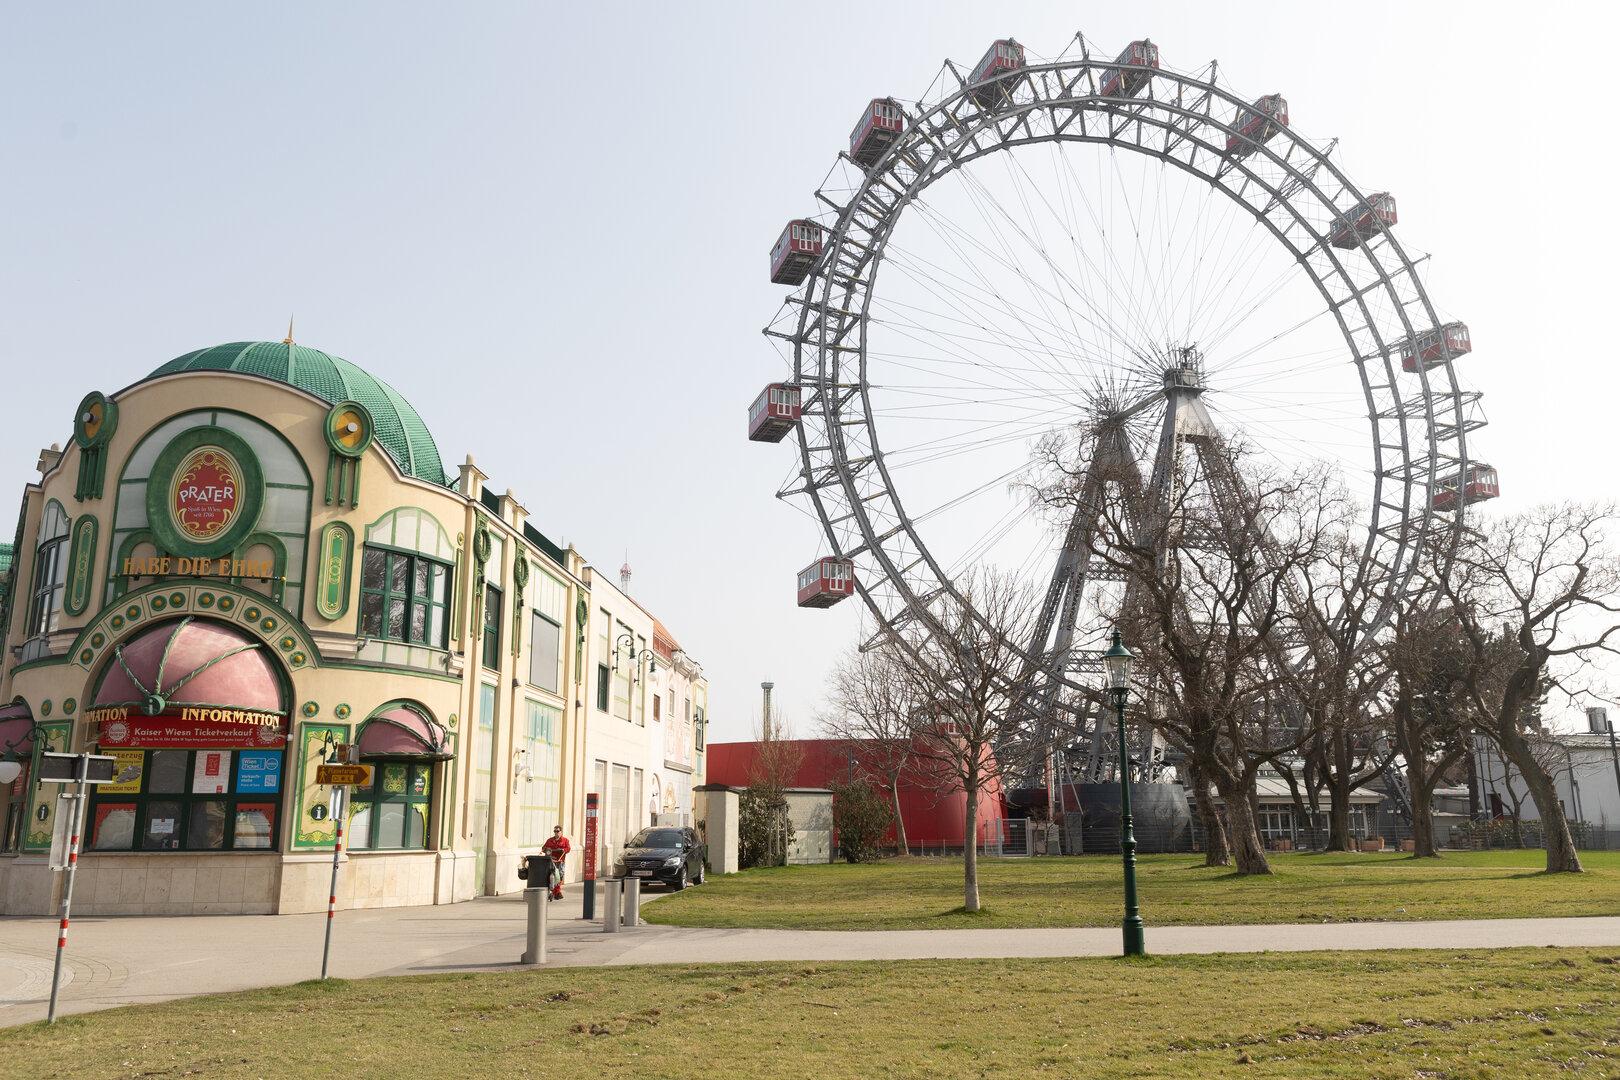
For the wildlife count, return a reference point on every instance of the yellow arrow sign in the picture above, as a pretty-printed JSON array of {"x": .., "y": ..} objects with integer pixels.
[{"x": 358, "y": 775}]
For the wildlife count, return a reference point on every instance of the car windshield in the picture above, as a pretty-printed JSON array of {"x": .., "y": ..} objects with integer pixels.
[{"x": 665, "y": 838}]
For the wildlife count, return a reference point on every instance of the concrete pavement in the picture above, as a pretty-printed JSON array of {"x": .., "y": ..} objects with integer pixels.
[{"x": 137, "y": 959}]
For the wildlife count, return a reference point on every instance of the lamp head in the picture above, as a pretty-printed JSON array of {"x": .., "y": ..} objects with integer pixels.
[
  {"x": 1118, "y": 660},
  {"x": 9, "y": 771}
]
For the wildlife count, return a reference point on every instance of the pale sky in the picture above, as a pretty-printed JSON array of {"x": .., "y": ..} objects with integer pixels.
[{"x": 547, "y": 226}]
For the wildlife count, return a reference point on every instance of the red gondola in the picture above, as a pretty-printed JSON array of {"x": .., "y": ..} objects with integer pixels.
[
  {"x": 1363, "y": 220},
  {"x": 1137, "y": 64},
  {"x": 774, "y": 413},
  {"x": 1432, "y": 346},
  {"x": 826, "y": 581},
  {"x": 881, "y": 125},
  {"x": 1005, "y": 56},
  {"x": 1479, "y": 483},
  {"x": 1257, "y": 124},
  {"x": 796, "y": 252}
]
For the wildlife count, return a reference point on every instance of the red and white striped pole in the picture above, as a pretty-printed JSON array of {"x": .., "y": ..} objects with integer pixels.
[
  {"x": 340, "y": 806},
  {"x": 67, "y": 890}
]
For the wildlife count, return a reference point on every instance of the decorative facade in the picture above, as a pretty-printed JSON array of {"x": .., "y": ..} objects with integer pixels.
[{"x": 252, "y": 562}]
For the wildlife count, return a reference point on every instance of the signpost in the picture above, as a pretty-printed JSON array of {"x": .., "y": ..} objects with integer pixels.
[
  {"x": 340, "y": 777},
  {"x": 81, "y": 770},
  {"x": 336, "y": 775},
  {"x": 592, "y": 801}
]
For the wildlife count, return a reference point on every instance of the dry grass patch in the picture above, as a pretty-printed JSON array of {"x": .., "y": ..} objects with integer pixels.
[{"x": 1510, "y": 1014}]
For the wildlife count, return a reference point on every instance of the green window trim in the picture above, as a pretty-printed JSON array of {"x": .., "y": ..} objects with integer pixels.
[
  {"x": 492, "y": 627},
  {"x": 48, "y": 582},
  {"x": 413, "y": 586},
  {"x": 401, "y": 791}
]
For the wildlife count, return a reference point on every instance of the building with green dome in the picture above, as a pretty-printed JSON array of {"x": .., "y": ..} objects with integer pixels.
[{"x": 253, "y": 563}]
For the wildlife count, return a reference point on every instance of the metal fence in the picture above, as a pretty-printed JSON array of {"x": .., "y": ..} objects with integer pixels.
[{"x": 1501, "y": 835}]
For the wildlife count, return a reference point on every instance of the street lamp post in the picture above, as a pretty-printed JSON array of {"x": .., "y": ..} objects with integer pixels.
[{"x": 1118, "y": 659}]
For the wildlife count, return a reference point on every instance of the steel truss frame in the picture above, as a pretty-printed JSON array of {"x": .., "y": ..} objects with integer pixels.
[{"x": 1419, "y": 422}]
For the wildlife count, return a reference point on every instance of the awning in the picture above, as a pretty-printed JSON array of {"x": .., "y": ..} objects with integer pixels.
[
  {"x": 16, "y": 731},
  {"x": 191, "y": 662},
  {"x": 402, "y": 731}
]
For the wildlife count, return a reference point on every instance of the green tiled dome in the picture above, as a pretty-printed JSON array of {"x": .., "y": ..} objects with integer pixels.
[{"x": 400, "y": 430}]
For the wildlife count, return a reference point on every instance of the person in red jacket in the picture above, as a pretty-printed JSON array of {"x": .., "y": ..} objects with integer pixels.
[{"x": 558, "y": 848}]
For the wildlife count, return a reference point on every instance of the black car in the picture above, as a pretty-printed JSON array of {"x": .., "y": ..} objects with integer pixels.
[{"x": 668, "y": 855}]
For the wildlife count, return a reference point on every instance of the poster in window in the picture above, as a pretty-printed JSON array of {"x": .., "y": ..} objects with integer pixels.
[
  {"x": 114, "y": 827},
  {"x": 129, "y": 770},
  {"x": 211, "y": 775},
  {"x": 255, "y": 825},
  {"x": 258, "y": 771}
]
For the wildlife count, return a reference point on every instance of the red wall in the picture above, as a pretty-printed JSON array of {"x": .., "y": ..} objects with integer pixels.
[{"x": 930, "y": 802}]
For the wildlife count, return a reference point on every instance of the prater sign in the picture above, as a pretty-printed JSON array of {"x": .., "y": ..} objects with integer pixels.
[
  {"x": 206, "y": 493},
  {"x": 203, "y": 499}
]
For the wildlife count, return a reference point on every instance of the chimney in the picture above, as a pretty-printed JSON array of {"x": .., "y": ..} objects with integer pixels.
[
  {"x": 1597, "y": 718},
  {"x": 765, "y": 724}
]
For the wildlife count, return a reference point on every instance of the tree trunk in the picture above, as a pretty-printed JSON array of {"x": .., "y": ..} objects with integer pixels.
[
  {"x": 1216, "y": 852},
  {"x": 1562, "y": 858},
  {"x": 1417, "y": 789},
  {"x": 899, "y": 818},
  {"x": 1338, "y": 812},
  {"x": 1247, "y": 851},
  {"x": 1301, "y": 818},
  {"x": 1338, "y": 781},
  {"x": 970, "y": 848}
]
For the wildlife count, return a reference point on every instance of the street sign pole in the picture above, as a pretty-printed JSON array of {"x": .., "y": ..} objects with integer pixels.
[
  {"x": 67, "y": 888},
  {"x": 340, "y": 796}
]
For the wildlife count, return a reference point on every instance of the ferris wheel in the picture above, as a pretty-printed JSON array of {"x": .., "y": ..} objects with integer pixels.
[{"x": 1077, "y": 246}]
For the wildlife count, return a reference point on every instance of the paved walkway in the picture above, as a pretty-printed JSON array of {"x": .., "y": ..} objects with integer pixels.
[{"x": 135, "y": 959}]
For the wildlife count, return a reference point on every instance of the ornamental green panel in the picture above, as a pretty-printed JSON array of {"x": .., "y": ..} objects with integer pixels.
[
  {"x": 81, "y": 565},
  {"x": 335, "y": 571},
  {"x": 58, "y": 735},
  {"x": 313, "y": 824}
]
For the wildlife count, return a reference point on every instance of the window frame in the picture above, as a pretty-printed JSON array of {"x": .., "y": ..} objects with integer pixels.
[
  {"x": 536, "y": 617},
  {"x": 494, "y": 605},
  {"x": 386, "y": 596},
  {"x": 232, "y": 799},
  {"x": 374, "y": 797}
]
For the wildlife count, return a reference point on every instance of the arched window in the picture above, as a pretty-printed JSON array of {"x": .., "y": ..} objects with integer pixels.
[
  {"x": 50, "y": 571},
  {"x": 402, "y": 743},
  {"x": 405, "y": 573}
]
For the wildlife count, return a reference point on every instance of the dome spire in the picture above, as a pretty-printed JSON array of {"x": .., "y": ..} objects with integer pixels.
[{"x": 288, "y": 340}]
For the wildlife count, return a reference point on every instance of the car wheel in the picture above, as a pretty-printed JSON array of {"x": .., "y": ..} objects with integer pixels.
[
  {"x": 697, "y": 879},
  {"x": 680, "y": 881}
]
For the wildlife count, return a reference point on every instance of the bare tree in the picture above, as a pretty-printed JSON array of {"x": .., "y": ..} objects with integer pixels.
[
  {"x": 872, "y": 713},
  {"x": 1429, "y": 715},
  {"x": 764, "y": 819},
  {"x": 1535, "y": 596},
  {"x": 960, "y": 671},
  {"x": 1335, "y": 677},
  {"x": 1213, "y": 612}
]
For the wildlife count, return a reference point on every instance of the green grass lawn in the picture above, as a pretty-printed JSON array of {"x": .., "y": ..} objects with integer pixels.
[
  {"x": 1510, "y": 1014},
  {"x": 915, "y": 894}
]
